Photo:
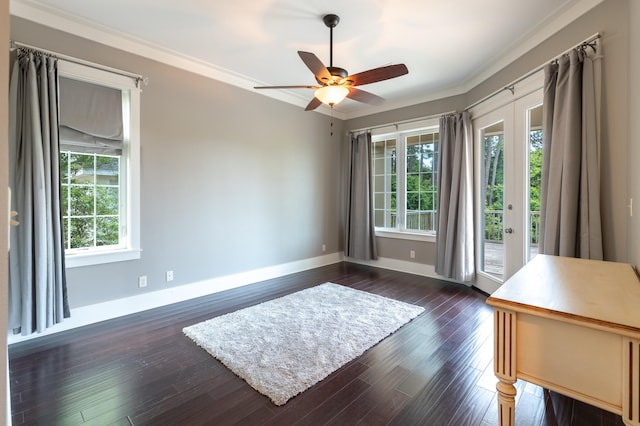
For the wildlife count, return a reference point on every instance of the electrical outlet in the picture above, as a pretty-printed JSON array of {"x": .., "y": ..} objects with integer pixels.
[
  {"x": 324, "y": 247},
  {"x": 412, "y": 254},
  {"x": 142, "y": 281},
  {"x": 169, "y": 276}
]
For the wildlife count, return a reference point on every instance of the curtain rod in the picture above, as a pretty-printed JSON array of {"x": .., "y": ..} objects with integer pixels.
[
  {"x": 587, "y": 42},
  {"x": 396, "y": 123},
  {"x": 137, "y": 77}
]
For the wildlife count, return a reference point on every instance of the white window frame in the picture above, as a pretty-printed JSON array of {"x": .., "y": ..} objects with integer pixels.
[
  {"x": 130, "y": 166},
  {"x": 400, "y": 134}
]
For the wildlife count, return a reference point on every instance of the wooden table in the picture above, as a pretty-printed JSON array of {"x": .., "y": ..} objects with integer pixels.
[{"x": 571, "y": 326}]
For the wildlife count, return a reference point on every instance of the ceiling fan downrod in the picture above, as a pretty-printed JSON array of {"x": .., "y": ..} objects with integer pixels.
[{"x": 331, "y": 20}]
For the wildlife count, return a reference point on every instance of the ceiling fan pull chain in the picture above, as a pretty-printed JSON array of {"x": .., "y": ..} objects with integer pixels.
[{"x": 331, "y": 120}]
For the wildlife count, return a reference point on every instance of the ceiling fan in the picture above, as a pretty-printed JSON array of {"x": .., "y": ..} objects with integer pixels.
[{"x": 334, "y": 83}]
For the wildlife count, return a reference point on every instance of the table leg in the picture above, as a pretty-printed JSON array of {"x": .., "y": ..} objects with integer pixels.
[
  {"x": 506, "y": 403},
  {"x": 504, "y": 359}
]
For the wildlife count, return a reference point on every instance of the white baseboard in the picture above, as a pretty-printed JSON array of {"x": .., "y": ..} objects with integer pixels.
[
  {"x": 129, "y": 305},
  {"x": 98, "y": 312},
  {"x": 403, "y": 266},
  {"x": 398, "y": 265}
]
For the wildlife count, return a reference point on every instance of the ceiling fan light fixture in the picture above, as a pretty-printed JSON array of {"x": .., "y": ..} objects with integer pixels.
[{"x": 331, "y": 95}]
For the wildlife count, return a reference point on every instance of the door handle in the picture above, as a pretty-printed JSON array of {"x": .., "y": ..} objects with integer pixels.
[{"x": 508, "y": 230}]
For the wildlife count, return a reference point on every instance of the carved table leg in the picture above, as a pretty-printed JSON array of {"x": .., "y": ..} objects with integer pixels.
[
  {"x": 506, "y": 403},
  {"x": 504, "y": 359}
]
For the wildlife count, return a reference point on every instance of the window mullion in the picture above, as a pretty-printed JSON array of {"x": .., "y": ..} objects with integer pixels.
[
  {"x": 95, "y": 200},
  {"x": 401, "y": 196}
]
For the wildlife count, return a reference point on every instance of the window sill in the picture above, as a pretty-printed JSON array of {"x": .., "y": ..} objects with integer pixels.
[
  {"x": 97, "y": 258},
  {"x": 406, "y": 235}
]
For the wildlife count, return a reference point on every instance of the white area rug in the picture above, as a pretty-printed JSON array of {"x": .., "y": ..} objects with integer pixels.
[{"x": 284, "y": 346}]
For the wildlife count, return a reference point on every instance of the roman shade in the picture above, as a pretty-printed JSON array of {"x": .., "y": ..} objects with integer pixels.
[{"x": 90, "y": 118}]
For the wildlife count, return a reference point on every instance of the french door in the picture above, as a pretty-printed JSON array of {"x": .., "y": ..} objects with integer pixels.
[{"x": 508, "y": 156}]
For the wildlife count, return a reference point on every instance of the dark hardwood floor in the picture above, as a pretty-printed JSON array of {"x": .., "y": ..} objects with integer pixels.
[{"x": 141, "y": 369}]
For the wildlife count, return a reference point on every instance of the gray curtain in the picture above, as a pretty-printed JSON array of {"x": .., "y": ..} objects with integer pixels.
[
  {"x": 454, "y": 234},
  {"x": 37, "y": 282},
  {"x": 570, "y": 190},
  {"x": 360, "y": 241}
]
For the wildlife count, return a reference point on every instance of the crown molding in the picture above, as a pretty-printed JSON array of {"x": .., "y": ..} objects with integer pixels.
[
  {"x": 53, "y": 18},
  {"x": 553, "y": 24}
]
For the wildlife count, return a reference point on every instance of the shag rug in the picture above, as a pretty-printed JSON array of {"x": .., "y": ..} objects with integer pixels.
[{"x": 284, "y": 346}]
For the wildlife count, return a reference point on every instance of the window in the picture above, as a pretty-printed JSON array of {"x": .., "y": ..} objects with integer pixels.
[
  {"x": 99, "y": 165},
  {"x": 405, "y": 178}
]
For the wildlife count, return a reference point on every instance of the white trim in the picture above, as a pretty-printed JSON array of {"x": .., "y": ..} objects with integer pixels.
[
  {"x": 90, "y": 73},
  {"x": 129, "y": 305},
  {"x": 98, "y": 257},
  {"x": 400, "y": 133},
  {"x": 404, "y": 266},
  {"x": 130, "y": 167},
  {"x": 488, "y": 284},
  {"x": 405, "y": 235}
]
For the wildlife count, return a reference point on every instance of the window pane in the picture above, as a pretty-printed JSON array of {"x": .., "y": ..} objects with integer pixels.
[
  {"x": 384, "y": 182},
  {"x": 64, "y": 196},
  {"x": 535, "y": 172},
  {"x": 378, "y": 166},
  {"x": 492, "y": 191},
  {"x": 378, "y": 200},
  {"x": 421, "y": 162},
  {"x": 81, "y": 232},
  {"x": 378, "y": 182},
  {"x": 82, "y": 168},
  {"x": 414, "y": 208},
  {"x": 82, "y": 200},
  {"x": 107, "y": 231},
  {"x": 107, "y": 200},
  {"x": 64, "y": 167},
  {"x": 91, "y": 199},
  {"x": 107, "y": 170}
]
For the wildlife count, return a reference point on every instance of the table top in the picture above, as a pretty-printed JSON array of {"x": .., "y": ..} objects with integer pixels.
[{"x": 603, "y": 294}]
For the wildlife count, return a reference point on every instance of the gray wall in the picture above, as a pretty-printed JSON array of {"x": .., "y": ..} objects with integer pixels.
[
  {"x": 231, "y": 180},
  {"x": 611, "y": 20}
]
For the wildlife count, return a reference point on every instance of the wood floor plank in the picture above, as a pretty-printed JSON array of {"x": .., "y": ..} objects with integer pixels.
[{"x": 142, "y": 370}]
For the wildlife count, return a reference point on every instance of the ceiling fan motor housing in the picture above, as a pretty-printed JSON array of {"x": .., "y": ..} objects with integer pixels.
[{"x": 337, "y": 74}]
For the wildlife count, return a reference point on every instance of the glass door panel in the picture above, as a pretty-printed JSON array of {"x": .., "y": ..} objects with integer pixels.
[
  {"x": 508, "y": 151},
  {"x": 534, "y": 130},
  {"x": 492, "y": 187}
]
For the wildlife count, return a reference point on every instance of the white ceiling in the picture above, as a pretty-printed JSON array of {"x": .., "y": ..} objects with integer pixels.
[{"x": 448, "y": 45}]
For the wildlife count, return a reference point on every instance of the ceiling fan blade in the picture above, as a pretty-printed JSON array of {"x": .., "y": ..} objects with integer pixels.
[
  {"x": 315, "y": 65},
  {"x": 287, "y": 87},
  {"x": 315, "y": 103},
  {"x": 377, "y": 74},
  {"x": 364, "y": 97}
]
